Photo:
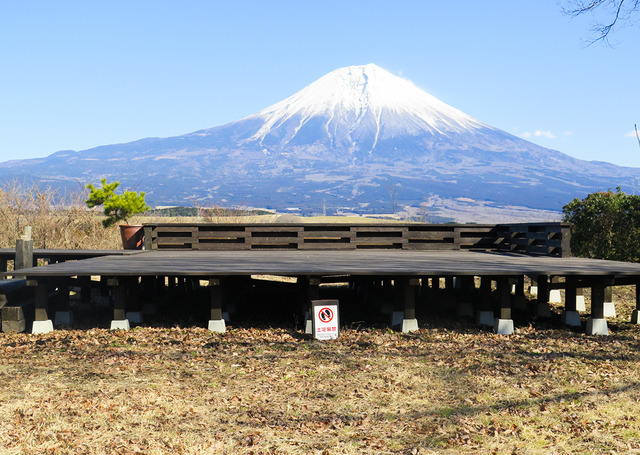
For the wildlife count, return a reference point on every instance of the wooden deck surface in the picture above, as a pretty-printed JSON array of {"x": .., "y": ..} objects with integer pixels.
[
  {"x": 379, "y": 262},
  {"x": 9, "y": 253}
]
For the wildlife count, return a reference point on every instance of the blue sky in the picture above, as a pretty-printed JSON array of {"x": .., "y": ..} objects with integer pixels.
[{"x": 76, "y": 75}]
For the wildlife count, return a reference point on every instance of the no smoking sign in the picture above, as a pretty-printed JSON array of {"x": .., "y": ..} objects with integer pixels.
[{"x": 325, "y": 319}]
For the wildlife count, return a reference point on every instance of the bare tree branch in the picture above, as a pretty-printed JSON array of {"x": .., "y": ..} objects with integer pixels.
[{"x": 623, "y": 11}]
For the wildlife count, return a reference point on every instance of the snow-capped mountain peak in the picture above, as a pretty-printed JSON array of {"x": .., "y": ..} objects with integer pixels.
[
  {"x": 361, "y": 104},
  {"x": 358, "y": 140}
]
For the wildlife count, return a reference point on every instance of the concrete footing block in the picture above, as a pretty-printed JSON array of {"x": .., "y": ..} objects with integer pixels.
[
  {"x": 485, "y": 318},
  {"x": 120, "y": 324},
  {"x": 465, "y": 310},
  {"x": 635, "y": 317},
  {"x": 533, "y": 290},
  {"x": 396, "y": 318},
  {"x": 571, "y": 318},
  {"x": 134, "y": 317},
  {"x": 19, "y": 325},
  {"x": 503, "y": 326},
  {"x": 308, "y": 327},
  {"x": 217, "y": 325},
  {"x": 597, "y": 327},
  {"x": 63, "y": 318},
  {"x": 555, "y": 296},
  {"x": 42, "y": 326},
  {"x": 409, "y": 325},
  {"x": 609, "y": 310},
  {"x": 580, "y": 305}
]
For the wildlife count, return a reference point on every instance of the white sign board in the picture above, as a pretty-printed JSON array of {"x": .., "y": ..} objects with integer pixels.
[{"x": 325, "y": 319}]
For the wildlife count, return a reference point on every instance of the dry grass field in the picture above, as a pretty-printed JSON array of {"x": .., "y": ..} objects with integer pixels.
[{"x": 449, "y": 388}]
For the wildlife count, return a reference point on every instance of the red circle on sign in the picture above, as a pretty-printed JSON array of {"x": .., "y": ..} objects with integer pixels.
[{"x": 325, "y": 315}]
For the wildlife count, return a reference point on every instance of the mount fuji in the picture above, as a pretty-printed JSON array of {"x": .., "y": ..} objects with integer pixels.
[{"x": 357, "y": 140}]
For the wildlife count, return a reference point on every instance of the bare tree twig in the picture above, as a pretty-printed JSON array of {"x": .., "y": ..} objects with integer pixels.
[{"x": 623, "y": 12}]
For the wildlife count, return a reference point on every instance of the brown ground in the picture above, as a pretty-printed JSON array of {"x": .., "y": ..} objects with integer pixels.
[{"x": 449, "y": 388}]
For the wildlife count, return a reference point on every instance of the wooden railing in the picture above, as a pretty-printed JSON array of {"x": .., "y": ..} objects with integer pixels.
[
  {"x": 539, "y": 238},
  {"x": 550, "y": 239}
]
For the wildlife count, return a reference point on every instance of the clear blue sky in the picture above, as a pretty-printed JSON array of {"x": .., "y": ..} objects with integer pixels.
[{"x": 78, "y": 74}]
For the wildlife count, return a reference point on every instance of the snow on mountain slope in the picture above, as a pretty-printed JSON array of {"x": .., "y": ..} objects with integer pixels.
[{"x": 358, "y": 102}]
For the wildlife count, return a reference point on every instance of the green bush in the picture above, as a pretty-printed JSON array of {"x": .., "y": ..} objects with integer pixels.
[
  {"x": 606, "y": 225},
  {"x": 117, "y": 207}
]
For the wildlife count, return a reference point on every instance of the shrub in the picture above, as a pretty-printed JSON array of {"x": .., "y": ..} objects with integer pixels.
[{"x": 606, "y": 225}]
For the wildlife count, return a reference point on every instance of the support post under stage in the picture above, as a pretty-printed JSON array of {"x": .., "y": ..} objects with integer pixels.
[
  {"x": 597, "y": 324},
  {"x": 41, "y": 323},
  {"x": 503, "y": 325},
  {"x": 570, "y": 315},
  {"x": 409, "y": 290},
  {"x": 635, "y": 316},
  {"x": 216, "y": 322},
  {"x": 485, "y": 315},
  {"x": 119, "y": 294}
]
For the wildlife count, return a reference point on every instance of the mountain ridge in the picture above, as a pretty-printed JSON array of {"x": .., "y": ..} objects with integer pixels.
[{"x": 357, "y": 140}]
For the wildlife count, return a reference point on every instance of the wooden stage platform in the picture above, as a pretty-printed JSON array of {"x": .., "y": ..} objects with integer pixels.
[
  {"x": 501, "y": 276},
  {"x": 402, "y": 261},
  {"x": 215, "y": 264}
]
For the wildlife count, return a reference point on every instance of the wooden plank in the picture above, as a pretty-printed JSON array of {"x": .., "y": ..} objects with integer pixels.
[
  {"x": 172, "y": 229},
  {"x": 431, "y": 246},
  {"x": 326, "y": 234},
  {"x": 275, "y": 246},
  {"x": 538, "y": 235},
  {"x": 364, "y": 229},
  {"x": 566, "y": 242},
  {"x": 521, "y": 242},
  {"x": 450, "y": 230},
  {"x": 489, "y": 242},
  {"x": 223, "y": 246},
  {"x": 378, "y": 240},
  {"x": 221, "y": 227},
  {"x": 431, "y": 235},
  {"x": 325, "y": 241},
  {"x": 220, "y": 234},
  {"x": 173, "y": 240},
  {"x": 476, "y": 228},
  {"x": 265, "y": 240},
  {"x": 327, "y": 227},
  {"x": 270, "y": 228},
  {"x": 326, "y": 246},
  {"x": 238, "y": 240}
]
